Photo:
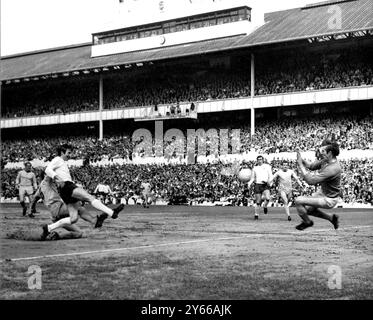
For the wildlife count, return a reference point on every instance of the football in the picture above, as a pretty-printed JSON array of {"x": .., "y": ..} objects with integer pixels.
[{"x": 244, "y": 175}]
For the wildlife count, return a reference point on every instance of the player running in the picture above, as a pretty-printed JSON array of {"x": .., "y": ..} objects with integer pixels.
[
  {"x": 146, "y": 193},
  {"x": 329, "y": 178},
  {"x": 285, "y": 186},
  {"x": 261, "y": 175},
  {"x": 71, "y": 194},
  {"x": 58, "y": 209},
  {"x": 103, "y": 190},
  {"x": 26, "y": 183}
]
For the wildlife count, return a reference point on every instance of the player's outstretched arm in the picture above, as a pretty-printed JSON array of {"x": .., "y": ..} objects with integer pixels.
[
  {"x": 296, "y": 178},
  {"x": 18, "y": 179},
  {"x": 34, "y": 182},
  {"x": 322, "y": 175},
  {"x": 311, "y": 165},
  {"x": 51, "y": 167},
  {"x": 273, "y": 179}
]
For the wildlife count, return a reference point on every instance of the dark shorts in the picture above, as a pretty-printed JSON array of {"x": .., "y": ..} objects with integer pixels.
[
  {"x": 66, "y": 192},
  {"x": 260, "y": 187},
  {"x": 59, "y": 211}
]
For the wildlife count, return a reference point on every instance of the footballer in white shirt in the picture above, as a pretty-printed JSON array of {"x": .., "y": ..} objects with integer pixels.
[
  {"x": 261, "y": 176},
  {"x": 72, "y": 194}
]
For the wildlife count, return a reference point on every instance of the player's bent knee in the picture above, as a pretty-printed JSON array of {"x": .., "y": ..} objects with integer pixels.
[
  {"x": 77, "y": 234},
  {"x": 81, "y": 194},
  {"x": 74, "y": 218},
  {"x": 299, "y": 201}
]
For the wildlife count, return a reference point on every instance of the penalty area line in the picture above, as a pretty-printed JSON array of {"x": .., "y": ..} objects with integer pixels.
[
  {"x": 131, "y": 248},
  {"x": 256, "y": 235}
]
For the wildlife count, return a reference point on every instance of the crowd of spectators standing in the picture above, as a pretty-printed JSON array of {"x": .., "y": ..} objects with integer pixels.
[
  {"x": 201, "y": 182},
  {"x": 175, "y": 84},
  {"x": 198, "y": 183},
  {"x": 272, "y": 136}
]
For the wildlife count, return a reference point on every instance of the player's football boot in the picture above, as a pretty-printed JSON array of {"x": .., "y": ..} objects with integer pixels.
[
  {"x": 256, "y": 217},
  {"x": 117, "y": 210},
  {"x": 265, "y": 210},
  {"x": 100, "y": 220},
  {"x": 24, "y": 212},
  {"x": 304, "y": 225},
  {"x": 289, "y": 218},
  {"x": 31, "y": 215},
  {"x": 45, "y": 233},
  {"x": 335, "y": 221}
]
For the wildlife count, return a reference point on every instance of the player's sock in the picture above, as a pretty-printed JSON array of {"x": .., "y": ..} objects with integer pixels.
[
  {"x": 256, "y": 210},
  {"x": 320, "y": 214},
  {"x": 100, "y": 206},
  {"x": 287, "y": 210},
  {"x": 33, "y": 204},
  {"x": 266, "y": 206},
  {"x": 59, "y": 224},
  {"x": 23, "y": 204}
]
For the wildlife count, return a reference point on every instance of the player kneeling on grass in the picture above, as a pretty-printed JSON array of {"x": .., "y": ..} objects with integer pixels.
[
  {"x": 329, "y": 178},
  {"x": 71, "y": 194},
  {"x": 52, "y": 200}
]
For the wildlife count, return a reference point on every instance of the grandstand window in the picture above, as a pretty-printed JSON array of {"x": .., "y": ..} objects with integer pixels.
[
  {"x": 108, "y": 39},
  {"x": 182, "y": 25},
  {"x": 212, "y": 22},
  {"x": 156, "y": 32},
  {"x": 223, "y": 17},
  {"x": 169, "y": 27},
  {"x": 133, "y": 36},
  {"x": 196, "y": 24},
  {"x": 177, "y": 25}
]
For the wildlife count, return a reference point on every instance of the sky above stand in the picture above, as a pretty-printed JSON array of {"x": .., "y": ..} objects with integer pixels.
[{"x": 29, "y": 25}]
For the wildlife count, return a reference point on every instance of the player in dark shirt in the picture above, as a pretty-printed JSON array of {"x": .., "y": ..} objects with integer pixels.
[{"x": 328, "y": 176}]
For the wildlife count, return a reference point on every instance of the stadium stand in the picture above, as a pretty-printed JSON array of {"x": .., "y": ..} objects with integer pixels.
[
  {"x": 298, "y": 72},
  {"x": 305, "y": 56},
  {"x": 199, "y": 183}
]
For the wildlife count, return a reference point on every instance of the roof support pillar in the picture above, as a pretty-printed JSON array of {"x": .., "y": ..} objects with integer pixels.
[
  {"x": 100, "y": 105},
  {"x": 252, "y": 93}
]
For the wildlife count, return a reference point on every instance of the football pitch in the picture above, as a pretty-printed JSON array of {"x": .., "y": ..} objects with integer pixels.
[{"x": 183, "y": 252}]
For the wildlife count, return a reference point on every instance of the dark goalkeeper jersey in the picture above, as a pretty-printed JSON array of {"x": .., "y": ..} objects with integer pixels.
[{"x": 328, "y": 176}]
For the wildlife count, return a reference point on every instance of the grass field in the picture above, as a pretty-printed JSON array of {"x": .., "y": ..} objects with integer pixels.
[{"x": 169, "y": 252}]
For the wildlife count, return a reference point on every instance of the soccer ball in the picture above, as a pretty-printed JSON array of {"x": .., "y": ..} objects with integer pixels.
[{"x": 244, "y": 175}]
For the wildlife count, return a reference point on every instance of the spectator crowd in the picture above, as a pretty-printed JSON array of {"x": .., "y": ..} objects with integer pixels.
[
  {"x": 175, "y": 84},
  {"x": 272, "y": 136},
  {"x": 198, "y": 183},
  {"x": 157, "y": 85}
]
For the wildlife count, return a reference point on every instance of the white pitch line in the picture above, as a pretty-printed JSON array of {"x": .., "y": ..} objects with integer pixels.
[
  {"x": 132, "y": 248},
  {"x": 174, "y": 244}
]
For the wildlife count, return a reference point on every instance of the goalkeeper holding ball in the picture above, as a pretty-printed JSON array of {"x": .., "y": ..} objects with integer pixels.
[{"x": 328, "y": 176}]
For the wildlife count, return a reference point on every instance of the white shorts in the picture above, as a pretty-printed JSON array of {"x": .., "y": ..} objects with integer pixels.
[
  {"x": 324, "y": 201},
  {"x": 25, "y": 191}
]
